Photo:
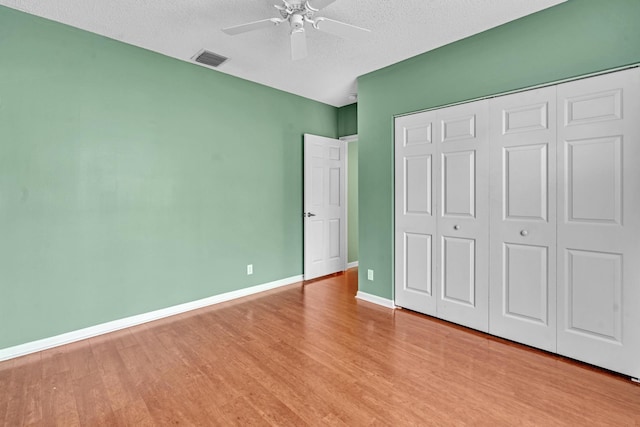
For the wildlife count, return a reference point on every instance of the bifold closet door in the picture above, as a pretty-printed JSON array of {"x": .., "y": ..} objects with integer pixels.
[
  {"x": 415, "y": 219},
  {"x": 441, "y": 213},
  {"x": 523, "y": 218},
  {"x": 599, "y": 221},
  {"x": 463, "y": 215}
]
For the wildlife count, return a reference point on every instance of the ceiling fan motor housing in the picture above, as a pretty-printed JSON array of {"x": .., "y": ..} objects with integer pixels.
[
  {"x": 296, "y": 20},
  {"x": 291, "y": 8}
]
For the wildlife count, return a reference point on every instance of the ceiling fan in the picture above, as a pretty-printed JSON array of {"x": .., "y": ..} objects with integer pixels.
[{"x": 297, "y": 13}]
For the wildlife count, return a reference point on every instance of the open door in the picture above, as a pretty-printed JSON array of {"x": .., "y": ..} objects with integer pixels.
[{"x": 324, "y": 206}]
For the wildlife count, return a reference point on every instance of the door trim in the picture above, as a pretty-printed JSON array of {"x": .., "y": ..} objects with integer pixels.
[
  {"x": 524, "y": 89},
  {"x": 347, "y": 139}
]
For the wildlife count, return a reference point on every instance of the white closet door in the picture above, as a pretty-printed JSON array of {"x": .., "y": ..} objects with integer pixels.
[
  {"x": 463, "y": 215},
  {"x": 414, "y": 212},
  {"x": 599, "y": 221},
  {"x": 523, "y": 218}
]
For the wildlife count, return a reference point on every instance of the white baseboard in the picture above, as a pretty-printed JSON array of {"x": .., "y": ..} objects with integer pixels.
[
  {"x": 375, "y": 299},
  {"x": 127, "y": 322},
  {"x": 352, "y": 264}
]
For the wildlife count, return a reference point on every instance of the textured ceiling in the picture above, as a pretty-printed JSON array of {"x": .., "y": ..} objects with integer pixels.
[{"x": 180, "y": 29}]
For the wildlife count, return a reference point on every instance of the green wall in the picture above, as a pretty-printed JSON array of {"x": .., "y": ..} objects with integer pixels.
[
  {"x": 348, "y": 120},
  {"x": 571, "y": 39},
  {"x": 352, "y": 203},
  {"x": 348, "y": 125},
  {"x": 130, "y": 181}
]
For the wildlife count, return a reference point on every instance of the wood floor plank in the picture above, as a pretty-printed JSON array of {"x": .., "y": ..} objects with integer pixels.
[
  {"x": 239, "y": 412},
  {"x": 58, "y": 397},
  {"x": 161, "y": 402},
  {"x": 271, "y": 409},
  {"x": 6, "y": 373},
  {"x": 278, "y": 402},
  {"x": 308, "y": 354},
  {"x": 123, "y": 338},
  {"x": 54, "y": 362},
  {"x": 92, "y": 400},
  {"x": 327, "y": 384},
  {"x": 140, "y": 366},
  {"x": 80, "y": 357},
  {"x": 23, "y": 398},
  {"x": 135, "y": 413},
  {"x": 65, "y": 419},
  {"x": 33, "y": 404}
]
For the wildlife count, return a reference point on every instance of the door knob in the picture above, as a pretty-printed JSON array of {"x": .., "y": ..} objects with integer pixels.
[
  {"x": 456, "y": 227},
  {"x": 524, "y": 233},
  {"x": 310, "y": 214}
]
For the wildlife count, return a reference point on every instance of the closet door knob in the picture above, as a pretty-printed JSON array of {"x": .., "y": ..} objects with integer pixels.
[
  {"x": 456, "y": 227},
  {"x": 524, "y": 233}
]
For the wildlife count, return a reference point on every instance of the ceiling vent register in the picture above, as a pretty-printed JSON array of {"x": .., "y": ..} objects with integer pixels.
[{"x": 211, "y": 59}]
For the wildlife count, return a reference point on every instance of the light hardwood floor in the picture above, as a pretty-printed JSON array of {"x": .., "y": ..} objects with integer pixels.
[{"x": 308, "y": 355}]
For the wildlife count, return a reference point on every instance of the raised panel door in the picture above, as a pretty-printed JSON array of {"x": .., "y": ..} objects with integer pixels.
[
  {"x": 599, "y": 221},
  {"x": 463, "y": 214},
  {"x": 415, "y": 222},
  {"x": 324, "y": 206},
  {"x": 523, "y": 218}
]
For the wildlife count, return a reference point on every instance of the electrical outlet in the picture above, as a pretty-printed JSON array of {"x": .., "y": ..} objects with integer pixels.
[
  {"x": 249, "y": 269},
  {"x": 370, "y": 275}
]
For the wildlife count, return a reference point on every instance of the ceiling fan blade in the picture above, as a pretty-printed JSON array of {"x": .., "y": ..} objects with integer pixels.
[
  {"x": 340, "y": 29},
  {"x": 298, "y": 44},
  {"x": 319, "y": 4},
  {"x": 238, "y": 29}
]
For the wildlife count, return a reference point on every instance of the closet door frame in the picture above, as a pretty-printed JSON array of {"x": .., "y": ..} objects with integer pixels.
[{"x": 618, "y": 351}]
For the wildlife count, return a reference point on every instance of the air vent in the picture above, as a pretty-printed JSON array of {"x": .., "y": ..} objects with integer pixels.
[{"x": 209, "y": 58}]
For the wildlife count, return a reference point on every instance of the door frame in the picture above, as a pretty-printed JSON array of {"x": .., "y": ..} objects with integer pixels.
[{"x": 347, "y": 140}]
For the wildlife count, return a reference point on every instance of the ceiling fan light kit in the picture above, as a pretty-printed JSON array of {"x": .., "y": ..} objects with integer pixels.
[{"x": 297, "y": 13}]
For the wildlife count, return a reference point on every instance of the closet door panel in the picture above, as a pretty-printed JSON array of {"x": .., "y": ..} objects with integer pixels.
[
  {"x": 526, "y": 283},
  {"x": 459, "y": 184},
  {"x": 599, "y": 221},
  {"x": 458, "y": 270},
  {"x": 415, "y": 155},
  {"x": 525, "y": 174},
  {"x": 594, "y": 290},
  {"x": 523, "y": 217},
  {"x": 463, "y": 215},
  {"x": 594, "y": 191}
]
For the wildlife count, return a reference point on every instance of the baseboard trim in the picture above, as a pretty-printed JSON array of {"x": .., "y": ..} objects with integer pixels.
[
  {"x": 352, "y": 264},
  {"x": 376, "y": 299},
  {"x": 127, "y": 322}
]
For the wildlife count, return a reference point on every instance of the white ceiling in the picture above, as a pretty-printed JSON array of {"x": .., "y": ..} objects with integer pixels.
[{"x": 180, "y": 29}]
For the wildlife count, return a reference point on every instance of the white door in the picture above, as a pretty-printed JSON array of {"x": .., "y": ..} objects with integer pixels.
[
  {"x": 415, "y": 219},
  {"x": 462, "y": 253},
  {"x": 599, "y": 221},
  {"x": 523, "y": 218},
  {"x": 324, "y": 206}
]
